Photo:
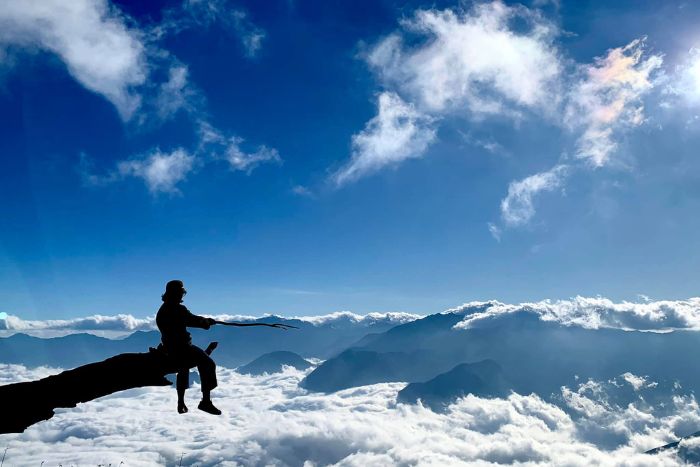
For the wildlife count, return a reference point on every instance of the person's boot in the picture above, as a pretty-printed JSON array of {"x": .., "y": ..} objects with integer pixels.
[
  {"x": 181, "y": 407},
  {"x": 208, "y": 407}
]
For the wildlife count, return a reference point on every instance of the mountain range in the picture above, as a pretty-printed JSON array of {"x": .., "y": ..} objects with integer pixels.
[
  {"x": 535, "y": 355},
  {"x": 321, "y": 338}
]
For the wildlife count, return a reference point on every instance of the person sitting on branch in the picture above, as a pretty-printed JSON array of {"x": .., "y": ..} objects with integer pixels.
[{"x": 173, "y": 319}]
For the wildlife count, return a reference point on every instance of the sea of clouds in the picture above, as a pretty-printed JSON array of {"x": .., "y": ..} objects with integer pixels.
[{"x": 269, "y": 420}]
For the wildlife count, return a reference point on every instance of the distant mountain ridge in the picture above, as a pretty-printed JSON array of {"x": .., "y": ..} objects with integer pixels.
[
  {"x": 274, "y": 362},
  {"x": 127, "y": 324},
  {"x": 536, "y": 355},
  {"x": 482, "y": 379},
  {"x": 320, "y": 339}
]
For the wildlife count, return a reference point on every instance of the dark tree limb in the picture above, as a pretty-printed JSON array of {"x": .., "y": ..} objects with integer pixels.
[{"x": 25, "y": 404}]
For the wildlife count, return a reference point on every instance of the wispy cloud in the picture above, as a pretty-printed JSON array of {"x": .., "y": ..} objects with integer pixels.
[
  {"x": 495, "y": 231},
  {"x": 199, "y": 14},
  {"x": 682, "y": 84},
  {"x": 602, "y": 104},
  {"x": 517, "y": 208},
  {"x": 216, "y": 145},
  {"x": 607, "y": 100},
  {"x": 301, "y": 190},
  {"x": 397, "y": 133},
  {"x": 160, "y": 171},
  {"x": 488, "y": 144},
  {"x": 177, "y": 93},
  {"x": 112, "y": 55},
  {"x": 100, "y": 50}
]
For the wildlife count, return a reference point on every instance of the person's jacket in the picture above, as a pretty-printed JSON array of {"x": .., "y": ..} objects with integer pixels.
[{"x": 173, "y": 319}]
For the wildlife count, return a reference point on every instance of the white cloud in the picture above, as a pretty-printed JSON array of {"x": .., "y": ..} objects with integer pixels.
[
  {"x": 216, "y": 145},
  {"x": 592, "y": 313},
  {"x": 517, "y": 207},
  {"x": 609, "y": 415},
  {"x": 246, "y": 162},
  {"x": 161, "y": 171},
  {"x": 251, "y": 35},
  {"x": 176, "y": 93},
  {"x": 269, "y": 420},
  {"x": 495, "y": 231},
  {"x": 397, "y": 133},
  {"x": 608, "y": 99},
  {"x": 364, "y": 320},
  {"x": 637, "y": 382},
  {"x": 19, "y": 373},
  {"x": 474, "y": 61},
  {"x": 91, "y": 37},
  {"x": 118, "y": 323}
]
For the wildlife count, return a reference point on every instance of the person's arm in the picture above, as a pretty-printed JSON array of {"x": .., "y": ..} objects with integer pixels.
[
  {"x": 241, "y": 325},
  {"x": 194, "y": 321}
]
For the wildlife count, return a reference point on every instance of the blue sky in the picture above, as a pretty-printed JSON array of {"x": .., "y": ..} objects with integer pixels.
[{"x": 302, "y": 157}]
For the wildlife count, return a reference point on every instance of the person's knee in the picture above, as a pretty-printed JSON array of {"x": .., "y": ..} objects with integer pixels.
[{"x": 207, "y": 362}]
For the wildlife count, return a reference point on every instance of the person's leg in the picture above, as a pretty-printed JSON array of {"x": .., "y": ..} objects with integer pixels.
[
  {"x": 207, "y": 374},
  {"x": 180, "y": 361},
  {"x": 183, "y": 382}
]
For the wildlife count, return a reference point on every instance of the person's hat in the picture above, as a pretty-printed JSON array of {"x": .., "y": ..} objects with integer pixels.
[{"x": 174, "y": 287}]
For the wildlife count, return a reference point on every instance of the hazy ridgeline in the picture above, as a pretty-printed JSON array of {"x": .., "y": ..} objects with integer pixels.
[{"x": 536, "y": 347}]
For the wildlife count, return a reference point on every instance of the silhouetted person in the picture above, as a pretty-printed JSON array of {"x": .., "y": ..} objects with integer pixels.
[{"x": 173, "y": 319}]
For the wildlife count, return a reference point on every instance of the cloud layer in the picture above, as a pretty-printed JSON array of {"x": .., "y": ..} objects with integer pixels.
[
  {"x": 268, "y": 420},
  {"x": 586, "y": 312},
  {"x": 128, "y": 324},
  {"x": 591, "y": 313}
]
